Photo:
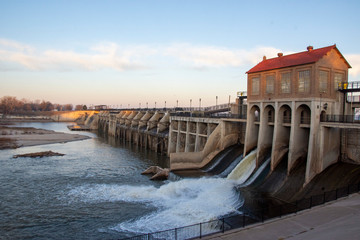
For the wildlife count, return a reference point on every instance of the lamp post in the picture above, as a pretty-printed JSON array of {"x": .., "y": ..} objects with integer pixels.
[
  {"x": 155, "y": 105},
  {"x": 177, "y": 103},
  {"x": 165, "y": 104},
  {"x": 216, "y": 101},
  {"x": 199, "y": 104},
  {"x": 190, "y": 104},
  {"x": 146, "y": 105}
]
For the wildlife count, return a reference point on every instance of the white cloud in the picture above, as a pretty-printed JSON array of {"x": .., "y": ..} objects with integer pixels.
[
  {"x": 354, "y": 61},
  {"x": 5, "y": 43},
  {"x": 212, "y": 56},
  {"x": 108, "y": 55}
]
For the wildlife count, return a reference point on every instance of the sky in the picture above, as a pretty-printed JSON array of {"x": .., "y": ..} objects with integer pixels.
[{"x": 135, "y": 53}]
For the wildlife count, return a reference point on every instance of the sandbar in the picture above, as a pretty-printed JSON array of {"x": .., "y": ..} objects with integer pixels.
[{"x": 15, "y": 137}]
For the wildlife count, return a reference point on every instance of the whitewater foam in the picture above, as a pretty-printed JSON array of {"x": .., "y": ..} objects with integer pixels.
[{"x": 180, "y": 203}]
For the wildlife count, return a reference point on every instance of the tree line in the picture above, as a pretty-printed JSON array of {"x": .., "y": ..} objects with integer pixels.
[{"x": 10, "y": 104}]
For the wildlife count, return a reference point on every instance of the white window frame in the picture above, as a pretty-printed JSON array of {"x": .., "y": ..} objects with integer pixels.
[
  {"x": 323, "y": 80},
  {"x": 270, "y": 84},
  {"x": 255, "y": 85},
  {"x": 304, "y": 79},
  {"x": 285, "y": 82}
]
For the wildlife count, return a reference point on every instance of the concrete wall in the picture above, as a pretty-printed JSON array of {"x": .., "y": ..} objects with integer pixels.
[
  {"x": 351, "y": 145},
  {"x": 194, "y": 142},
  {"x": 132, "y": 126}
]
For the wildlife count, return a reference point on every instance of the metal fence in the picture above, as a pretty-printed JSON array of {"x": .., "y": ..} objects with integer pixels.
[
  {"x": 349, "y": 85},
  {"x": 242, "y": 220},
  {"x": 341, "y": 118}
]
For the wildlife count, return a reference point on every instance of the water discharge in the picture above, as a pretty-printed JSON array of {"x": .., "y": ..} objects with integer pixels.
[
  {"x": 244, "y": 169},
  {"x": 96, "y": 191},
  {"x": 180, "y": 203}
]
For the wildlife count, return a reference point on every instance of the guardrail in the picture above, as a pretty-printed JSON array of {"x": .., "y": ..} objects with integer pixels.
[
  {"x": 175, "y": 109},
  {"x": 207, "y": 115},
  {"x": 353, "y": 99},
  {"x": 245, "y": 219},
  {"x": 349, "y": 85},
  {"x": 341, "y": 118}
]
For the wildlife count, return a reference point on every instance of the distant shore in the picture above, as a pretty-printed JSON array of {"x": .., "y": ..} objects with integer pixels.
[{"x": 15, "y": 137}]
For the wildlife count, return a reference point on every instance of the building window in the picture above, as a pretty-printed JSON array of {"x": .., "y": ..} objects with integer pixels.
[
  {"x": 338, "y": 79},
  {"x": 270, "y": 79},
  {"x": 285, "y": 82},
  {"x": 304, "y": 81},
  {"x": 255, "y": 85},
  {"x": 323, "y": 80}
]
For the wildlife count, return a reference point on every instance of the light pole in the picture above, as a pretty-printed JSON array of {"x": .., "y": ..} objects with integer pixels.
[
  {"x": 216, "y": 101},
  {"x": 199, "y": 104},
  {"x": 165, "y": 104},
  {"x": 177, "y": 103},
  {"x": 190, "y": 104},
  {"x": 146, "y": 105},
  {"x": 155, "y": 105}
]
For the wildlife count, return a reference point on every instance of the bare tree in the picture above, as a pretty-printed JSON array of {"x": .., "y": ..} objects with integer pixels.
[
  {"x": 8, "y": 104},
  {"x": 78, "y": 107},
  {"x": 68, "y": 107}
]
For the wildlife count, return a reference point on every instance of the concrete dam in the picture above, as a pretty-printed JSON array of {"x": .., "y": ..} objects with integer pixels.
[{"x": 281, "y": 116}]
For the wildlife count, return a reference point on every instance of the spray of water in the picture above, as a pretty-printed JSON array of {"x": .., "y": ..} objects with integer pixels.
[{"x": 180, "y": 203}]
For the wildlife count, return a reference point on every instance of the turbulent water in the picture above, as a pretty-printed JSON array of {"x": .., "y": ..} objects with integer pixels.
[{"x": 96, "y": 191}]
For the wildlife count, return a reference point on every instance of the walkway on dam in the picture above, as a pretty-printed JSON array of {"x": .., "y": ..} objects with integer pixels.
[{"x": 335, "y": 220}]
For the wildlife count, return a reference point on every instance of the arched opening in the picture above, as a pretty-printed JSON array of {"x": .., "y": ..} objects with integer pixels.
[
  {"x": 266, "y": 136},
  {"x": 282, "y": 138},
  {"x": 305, "y": 114},
  {"x": 252, "y": 129},
  {"x": 299, "y": 149},
  {"x": 286, "y": 114}
]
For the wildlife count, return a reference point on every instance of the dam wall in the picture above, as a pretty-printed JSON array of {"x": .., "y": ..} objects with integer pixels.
[
  {"x": 195, "y": 141},
  {"x": 146, "y": 129},
  {"x": 190, "y": 142}
]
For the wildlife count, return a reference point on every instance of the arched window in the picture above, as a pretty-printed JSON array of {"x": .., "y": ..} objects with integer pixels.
[{"x": 286, "y": 116}]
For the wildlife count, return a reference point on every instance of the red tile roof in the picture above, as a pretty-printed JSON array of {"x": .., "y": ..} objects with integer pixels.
[{"x": 294, "y": 59}]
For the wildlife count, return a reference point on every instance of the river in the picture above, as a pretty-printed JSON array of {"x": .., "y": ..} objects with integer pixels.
[{"x": 96, "y": 191}]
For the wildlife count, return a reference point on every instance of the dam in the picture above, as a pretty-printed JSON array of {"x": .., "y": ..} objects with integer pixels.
[{"x": 297, "y": 106}]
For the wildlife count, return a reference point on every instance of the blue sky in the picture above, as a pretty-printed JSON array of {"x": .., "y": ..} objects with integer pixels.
[{"x": 131, "y": 52}]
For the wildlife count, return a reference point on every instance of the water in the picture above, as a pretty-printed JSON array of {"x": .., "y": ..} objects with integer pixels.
[
  {"x": 244, "y": 169},
  {"x": 96, "y": 191}
]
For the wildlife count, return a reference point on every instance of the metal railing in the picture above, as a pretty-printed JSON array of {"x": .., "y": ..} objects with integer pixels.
[
  {"x": 349, "y": 85},
  {"x": 207, "y": 115},
  {"x": 353, "y": 99},
  {"x": 305, "y": 120},
  {"x": 245, "y": 219},
  {"x": 341, "y": 118},
  {"x": 287, "y": 119}
]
